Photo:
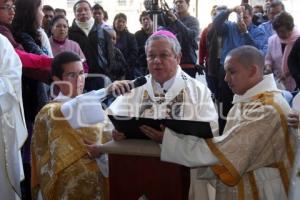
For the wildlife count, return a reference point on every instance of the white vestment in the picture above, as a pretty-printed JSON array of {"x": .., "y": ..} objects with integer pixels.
[
  {"x": 182, "y": 97},
  {"x": 251, "y": 154},
  {"x": 13, "y": 131}
]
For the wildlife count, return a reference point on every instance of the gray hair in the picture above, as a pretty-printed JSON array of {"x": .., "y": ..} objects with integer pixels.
[{"x": 176, "y": 48}]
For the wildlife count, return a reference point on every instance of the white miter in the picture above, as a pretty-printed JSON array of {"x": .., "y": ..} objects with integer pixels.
[{"x": 85, "y": 110}]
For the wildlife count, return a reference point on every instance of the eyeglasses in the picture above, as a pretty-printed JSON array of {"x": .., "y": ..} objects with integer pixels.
[
  {"x": 8, "y": 8},
  {"x": 74, "y": 75}
]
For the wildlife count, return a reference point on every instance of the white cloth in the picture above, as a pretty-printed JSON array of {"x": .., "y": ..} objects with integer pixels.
[
  {"x": 197, "y": 105},
  {"x": 87, "y": 26},
  {"x": 13, "y": 131},
  {"x": 46, "y": 43},
  {"x": 294, "y": 193},
  {"x": 83, "y": 110},
  {"x": 194, "y": 152}
]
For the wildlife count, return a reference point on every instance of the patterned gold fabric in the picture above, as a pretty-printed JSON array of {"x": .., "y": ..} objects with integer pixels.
[
  {"x": 61, "y": 167},
  {"x": 246, "y": 166},
  {"x": 173, "y": 109}
]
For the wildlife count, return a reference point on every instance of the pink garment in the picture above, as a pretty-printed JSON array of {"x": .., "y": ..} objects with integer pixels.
[
  {"x": 37, "y": 67},
  {"x": 278, "y": 60},
  {"x": 67, "y": 45}
]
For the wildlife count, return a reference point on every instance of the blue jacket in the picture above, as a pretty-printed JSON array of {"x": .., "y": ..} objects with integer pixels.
[{"x": 233, "y": 38}]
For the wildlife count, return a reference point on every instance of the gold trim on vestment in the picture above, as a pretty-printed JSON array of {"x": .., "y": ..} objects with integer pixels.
[
  {"x": 241, "y": 190},
  {"x": 267, "y": 99},
  {"x": 253, "y": 185},
  {"x": 226, "y": 172}
]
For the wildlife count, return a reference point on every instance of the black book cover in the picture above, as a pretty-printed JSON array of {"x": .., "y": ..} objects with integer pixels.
[{"x": 130, "y": 126}]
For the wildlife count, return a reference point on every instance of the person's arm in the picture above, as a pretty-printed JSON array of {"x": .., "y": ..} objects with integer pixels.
[
  {"x": 256, "y": 37},
  {"x": 219, "y": 22},
  {"x": 190, "y": 30},
  {"x": 34, "y": 61},
  {"x": 86, "y": 109}
]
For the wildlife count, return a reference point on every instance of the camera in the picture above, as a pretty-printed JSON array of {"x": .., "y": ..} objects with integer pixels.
[{"x": 160, "y": 8}]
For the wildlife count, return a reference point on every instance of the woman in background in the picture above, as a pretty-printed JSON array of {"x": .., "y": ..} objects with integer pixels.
[
  {"x": 59, "y": 37},
  {"x": 27, "y": 31},
  {"x": 126, "y": 43}
]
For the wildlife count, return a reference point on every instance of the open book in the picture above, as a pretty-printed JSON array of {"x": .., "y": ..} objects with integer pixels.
[{"x": 130, "y": 126}]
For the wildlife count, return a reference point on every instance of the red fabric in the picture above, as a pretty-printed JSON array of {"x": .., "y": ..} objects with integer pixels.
[
  {"x": 34, "y": 61},
  {"x": 37, "y": 67},
  {"x": 203, "y": 50}
]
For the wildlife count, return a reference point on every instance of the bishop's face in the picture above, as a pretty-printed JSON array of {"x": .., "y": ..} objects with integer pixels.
[{"x": 162, "y": 61}]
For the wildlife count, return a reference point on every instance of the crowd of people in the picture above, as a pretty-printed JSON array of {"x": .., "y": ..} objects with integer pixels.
[{"x": 56, "y": 78}]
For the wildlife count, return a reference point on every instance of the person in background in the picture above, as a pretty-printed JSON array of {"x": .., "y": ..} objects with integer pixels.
[
  {"x": 105, "y": 18},
  {"x": 59, "y": 37},
  {"x": 126, "y": 42},
  {"x": 235, "y": 34},
  {"x": 211, "y": 71},
  {"x": 273, "y": 8},
  {"x": 60, "y": 11},
  {"x": 279, "y": 48},
  {"x": 26, "y": 28},
  {"x": 258, "y": 15},
  {"x": 141, "y": 36},
  {"x": 187, "y": 30},
  {"x": 48, "y": 16},
  {"x": 93, "y": 41},
  {"x": 98, "y": 14},
  {"x": 117, "y": 63},
  {"x": 34, "y": 66},
  {"x": 13, "y": 131}
]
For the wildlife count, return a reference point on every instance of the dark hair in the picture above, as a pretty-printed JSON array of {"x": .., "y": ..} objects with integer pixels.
[
  {"x": 81, "y": 1},
  {"x": 249, "y": 8},
  {"x": 283, "y": 19},
  {"x": 47, "y": 8},
  {"x": 26, "y": 18},
  {"x": 60, "y": 60},
  {"x": 187, "y": 1},
  {"x": 98, "y": 7},
  {"x": 105, "y": 15},
  {"x": 55, "y": 19},
  {"x": 60, "y": 10},
  {"x": 277, "y": 3},
  {"x": 118, "y": 16},
  {"x": 143, "y": 14},
  {"x": 260, "y": 8}
]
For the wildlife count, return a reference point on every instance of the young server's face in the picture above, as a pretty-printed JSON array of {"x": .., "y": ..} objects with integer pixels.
[
  {"x": 237, "y": 76},
  {"x": 73, "y": 79}
]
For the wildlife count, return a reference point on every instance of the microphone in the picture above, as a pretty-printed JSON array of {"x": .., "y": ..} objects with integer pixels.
[{"x": 136, "y": 83}]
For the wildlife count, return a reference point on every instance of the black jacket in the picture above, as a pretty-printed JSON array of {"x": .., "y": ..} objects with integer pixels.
[{"x": 94, "y": 47}]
